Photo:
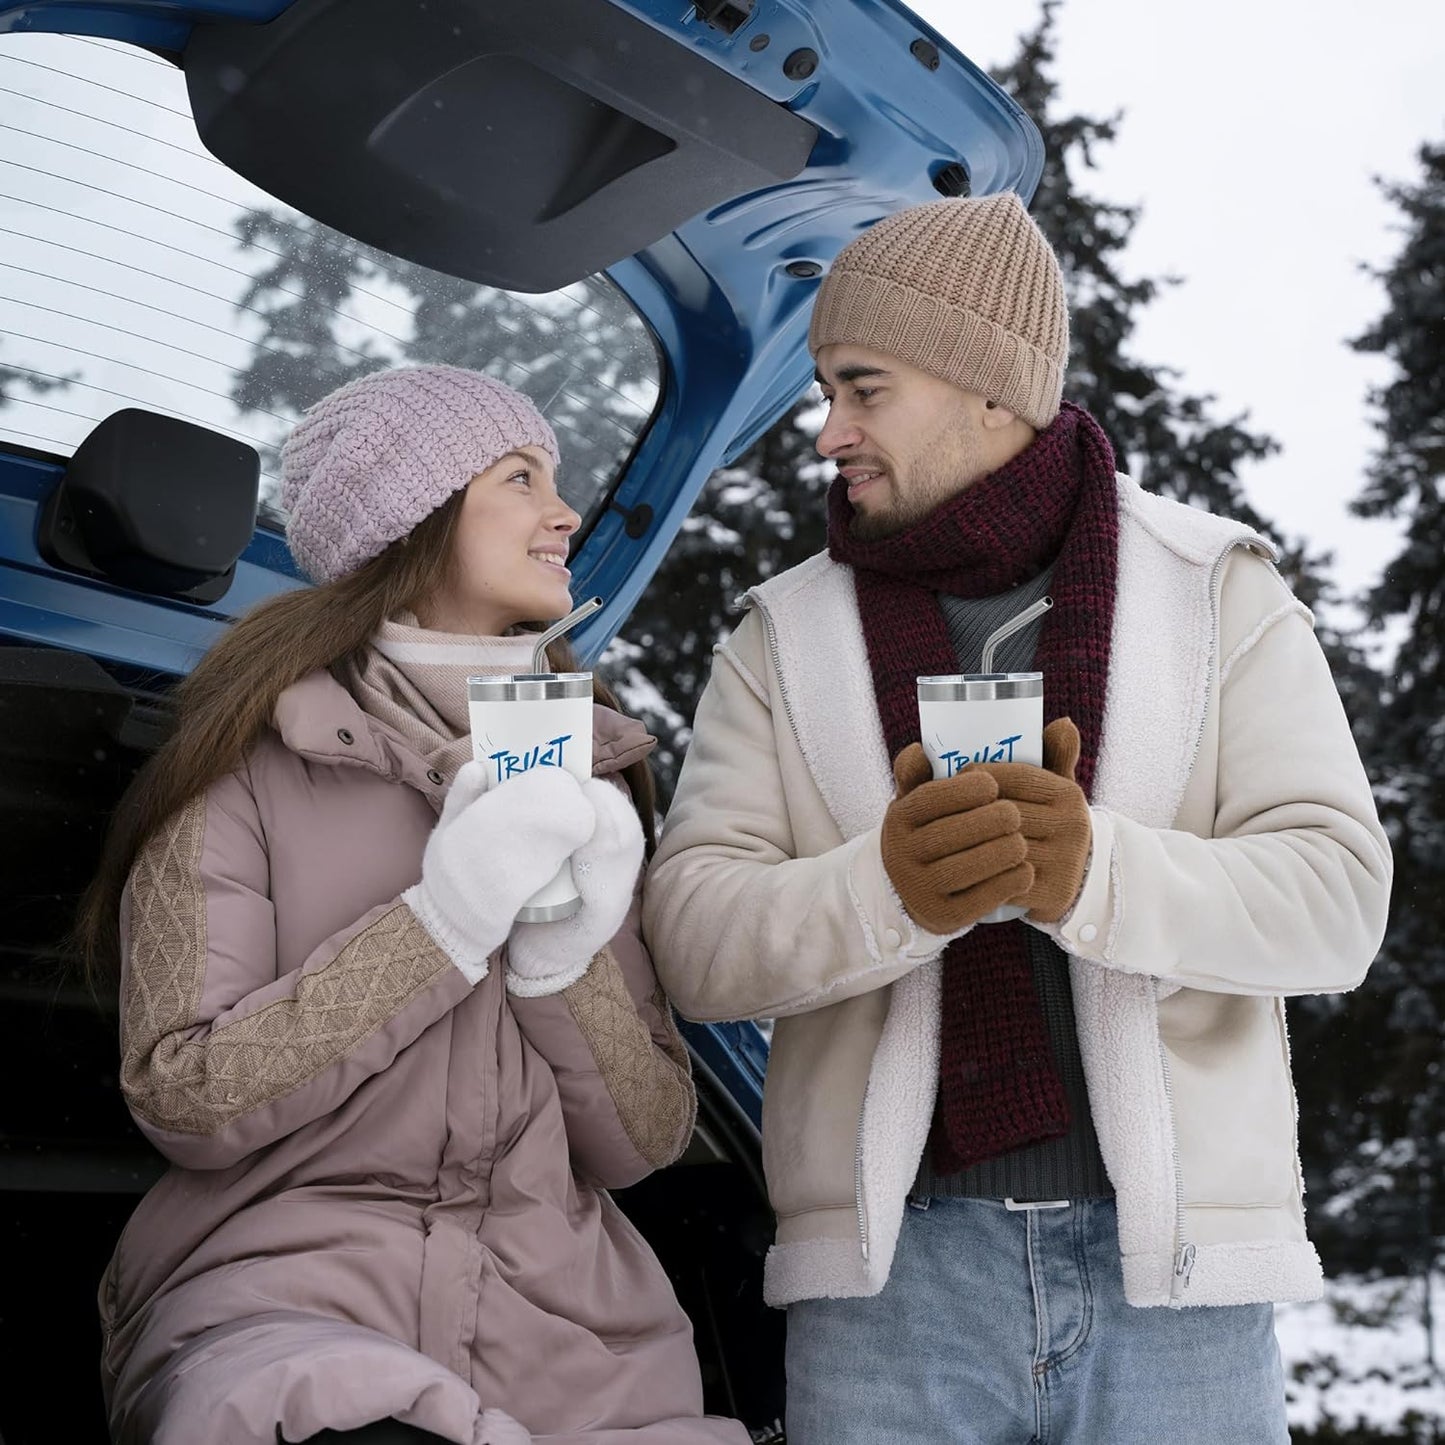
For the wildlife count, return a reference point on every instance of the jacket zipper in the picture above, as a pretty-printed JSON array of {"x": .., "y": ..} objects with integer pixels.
[
  {"x": 1179, "y": 1282},
  {"x": 1183, "y": 1263},
  {"x": 858, "y": 1184},
  {"x": 777, "y": 669},
  {"x": 793, "y": 726}
]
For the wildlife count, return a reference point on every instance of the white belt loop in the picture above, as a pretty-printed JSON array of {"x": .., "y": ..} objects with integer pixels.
[{"x": 1017, "y": 1204}]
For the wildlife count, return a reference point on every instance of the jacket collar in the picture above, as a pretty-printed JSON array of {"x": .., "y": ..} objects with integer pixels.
[{"x": 319, "y": 719}]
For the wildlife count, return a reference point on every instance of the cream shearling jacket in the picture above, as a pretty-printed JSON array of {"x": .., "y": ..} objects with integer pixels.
[{"x": 1237, "y": 859}]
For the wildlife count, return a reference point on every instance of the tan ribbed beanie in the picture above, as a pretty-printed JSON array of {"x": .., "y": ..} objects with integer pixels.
[{"x": 968, "y": 290}]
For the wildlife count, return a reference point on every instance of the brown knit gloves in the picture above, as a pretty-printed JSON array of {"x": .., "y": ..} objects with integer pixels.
[
  {"x": 953, "y": 848},
  {"x": 957, "y": 848},
  {"x": 1053, "y": 817}
]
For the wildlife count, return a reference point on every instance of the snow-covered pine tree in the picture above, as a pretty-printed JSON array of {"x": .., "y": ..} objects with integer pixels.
[{"x": 1381, "y": 1146}]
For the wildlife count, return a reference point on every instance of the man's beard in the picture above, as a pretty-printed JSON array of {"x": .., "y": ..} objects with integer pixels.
[
  {"x": 941, "y": 468},
  {"x": 904, "y": 509}
]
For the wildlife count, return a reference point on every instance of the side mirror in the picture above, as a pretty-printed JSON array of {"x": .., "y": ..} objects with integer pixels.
[{"x": 154, "y": 504}]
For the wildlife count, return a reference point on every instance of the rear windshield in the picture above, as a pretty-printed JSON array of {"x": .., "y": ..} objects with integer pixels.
[{"x": 136, "y": 270}]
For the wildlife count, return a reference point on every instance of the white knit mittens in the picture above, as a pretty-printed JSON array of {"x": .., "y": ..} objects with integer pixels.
[
  {"x": 545, "y": 957},
  {"x": 490, "y": 852}
]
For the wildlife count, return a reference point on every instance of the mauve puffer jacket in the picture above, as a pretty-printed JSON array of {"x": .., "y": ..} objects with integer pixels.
[{"x": 388, "y": 1187}]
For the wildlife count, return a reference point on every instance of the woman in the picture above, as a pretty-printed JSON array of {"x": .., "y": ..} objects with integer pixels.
[{"x": 392, "y": 1112}]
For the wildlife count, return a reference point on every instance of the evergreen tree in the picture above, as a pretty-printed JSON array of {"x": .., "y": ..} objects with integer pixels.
[
  {"x": 766, "y": 513},
  {"x": 1348, "y": 1072},
  {"x": 1168, "y": 440},
  {"x": 752, "y": 520},
  {"x": 1382, "y": 1155}
]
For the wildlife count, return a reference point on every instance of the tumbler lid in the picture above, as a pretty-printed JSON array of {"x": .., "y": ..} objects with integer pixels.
[
  {"x": 980, "y": 686},
  {"x": 529, "y": 686}
]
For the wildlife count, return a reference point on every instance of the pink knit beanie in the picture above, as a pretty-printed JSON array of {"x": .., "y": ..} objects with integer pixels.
[{"x": 376, "y": 456}]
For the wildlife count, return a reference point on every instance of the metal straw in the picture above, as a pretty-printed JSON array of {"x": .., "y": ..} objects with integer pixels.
[
  {"x": 1010, "y": 627},
  {"x": 539, "y": 652}
]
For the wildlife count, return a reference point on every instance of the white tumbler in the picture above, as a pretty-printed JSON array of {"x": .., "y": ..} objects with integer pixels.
[
  {"x": 982, "y": 717},
  {"x": 535, "y": 720}
]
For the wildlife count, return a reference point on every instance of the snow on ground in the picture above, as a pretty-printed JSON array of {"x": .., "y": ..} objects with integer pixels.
[{"x": 1360, "y": 1356}]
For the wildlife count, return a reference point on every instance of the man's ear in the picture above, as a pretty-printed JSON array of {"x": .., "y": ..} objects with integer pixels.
[{"x": 997, "y": 417}]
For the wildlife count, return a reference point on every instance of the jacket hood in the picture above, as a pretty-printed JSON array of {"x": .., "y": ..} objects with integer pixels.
[
  {"x": 618, "y": 741},
  {"x": 318, "y": 718}
]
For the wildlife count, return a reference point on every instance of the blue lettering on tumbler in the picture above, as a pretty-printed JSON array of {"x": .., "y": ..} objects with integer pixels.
[
  {"x": 544, "y": 755},
  {"x": 1000, "y": 752}
]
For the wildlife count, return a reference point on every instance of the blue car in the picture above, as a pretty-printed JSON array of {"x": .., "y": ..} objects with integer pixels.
[{"x": 212, "y": 212}]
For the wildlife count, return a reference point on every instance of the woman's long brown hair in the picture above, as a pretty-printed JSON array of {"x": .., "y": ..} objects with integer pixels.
[{"x": 226, "y": 702}]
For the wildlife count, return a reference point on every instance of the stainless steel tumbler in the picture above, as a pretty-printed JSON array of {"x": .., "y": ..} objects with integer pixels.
[
  {"x": 522, "y": 721},
  {"x": 982, "y": 717}
]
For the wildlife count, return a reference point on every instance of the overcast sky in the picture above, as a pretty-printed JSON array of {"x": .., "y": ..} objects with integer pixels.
[{"x": 1251, "y": 131}]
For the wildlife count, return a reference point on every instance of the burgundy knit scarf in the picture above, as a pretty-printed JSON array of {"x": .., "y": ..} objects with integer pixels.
[{"x": 1056, "y": 502}]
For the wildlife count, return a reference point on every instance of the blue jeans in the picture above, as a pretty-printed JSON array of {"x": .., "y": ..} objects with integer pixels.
[{"x": 1001, "y": 1327}]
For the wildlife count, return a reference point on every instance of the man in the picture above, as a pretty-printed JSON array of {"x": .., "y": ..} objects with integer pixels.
[{"x": 998, "y": 1154}]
